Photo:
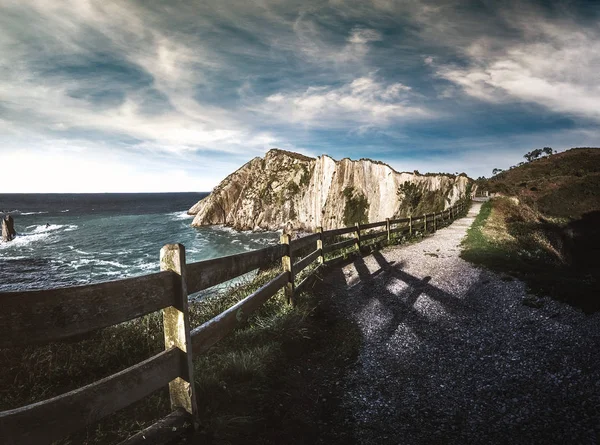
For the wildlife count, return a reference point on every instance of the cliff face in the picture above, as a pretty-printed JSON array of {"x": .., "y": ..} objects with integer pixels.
[{"x": 294, "y": 192}]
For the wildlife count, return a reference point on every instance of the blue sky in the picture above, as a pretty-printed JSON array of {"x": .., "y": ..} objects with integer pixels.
[{"x": 109, "y": 96}]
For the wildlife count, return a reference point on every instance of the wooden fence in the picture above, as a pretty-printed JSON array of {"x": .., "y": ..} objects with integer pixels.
[{"x": 44, "y": 316}]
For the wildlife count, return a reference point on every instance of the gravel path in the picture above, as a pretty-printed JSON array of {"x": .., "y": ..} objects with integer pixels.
[{"x": 451, "y": 355}]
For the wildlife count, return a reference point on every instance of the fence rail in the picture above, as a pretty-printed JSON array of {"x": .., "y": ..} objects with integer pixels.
[{"x": 36, "y": 317}]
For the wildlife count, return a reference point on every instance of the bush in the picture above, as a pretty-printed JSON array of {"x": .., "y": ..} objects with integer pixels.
[{"x": 356, "y": 208}]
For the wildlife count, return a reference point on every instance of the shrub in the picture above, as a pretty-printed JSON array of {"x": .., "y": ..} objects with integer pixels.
[{"x": 356, "y": 208}]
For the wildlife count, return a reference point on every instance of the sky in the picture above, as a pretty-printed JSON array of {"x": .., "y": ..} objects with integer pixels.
[{"x": 151, "y": 96}]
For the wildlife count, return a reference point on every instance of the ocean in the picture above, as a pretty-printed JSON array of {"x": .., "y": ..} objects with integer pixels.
[{"x": 73, "y": 239}]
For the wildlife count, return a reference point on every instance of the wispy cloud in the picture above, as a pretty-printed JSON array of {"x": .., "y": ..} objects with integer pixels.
[
  {"x": 549, "y": 61},
  {"x": 365, "y": 101}
]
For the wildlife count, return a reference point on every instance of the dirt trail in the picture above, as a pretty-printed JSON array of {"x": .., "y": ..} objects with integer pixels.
[{"x": 450, "y": 354}]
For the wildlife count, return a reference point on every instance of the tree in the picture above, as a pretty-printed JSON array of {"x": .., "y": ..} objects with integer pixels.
[
  {"x": 496, "y": 171},
  {"x": 534, "y": 154},
  {"x": 547, "y": 150}
]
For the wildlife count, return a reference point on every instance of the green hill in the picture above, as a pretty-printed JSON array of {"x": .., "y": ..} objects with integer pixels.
[
  {"x": 560, "y": 185},
  {"x": 543, "y": 227}
]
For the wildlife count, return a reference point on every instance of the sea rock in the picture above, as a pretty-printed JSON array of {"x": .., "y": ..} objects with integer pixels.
[
  {"x": 8, "y": 228},
  {"x": 290, "y": 191}
]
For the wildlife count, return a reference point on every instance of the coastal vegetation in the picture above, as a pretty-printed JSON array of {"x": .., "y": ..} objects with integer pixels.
[
  {"x": 236, "y": 382},
  {"x": 544, "y": 229}
]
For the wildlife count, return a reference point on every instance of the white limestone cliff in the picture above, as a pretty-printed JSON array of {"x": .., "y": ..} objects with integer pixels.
[{"x": 290, "y": 191}]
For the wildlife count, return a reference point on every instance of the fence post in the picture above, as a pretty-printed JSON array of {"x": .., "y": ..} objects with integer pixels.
[
  {"x": 425, "y": 223},
  {"x": 176, "y": 325},
  {"x": 358, "y": 237},
  {"x": 410, "y": 225},
  {"x": 388, "y": 228},
  {"x": 286, "y": 264},
  {"x": 451, "y": 215},
  {"x": 434, "y": 222},
  {"x": 321, "y": 258}
]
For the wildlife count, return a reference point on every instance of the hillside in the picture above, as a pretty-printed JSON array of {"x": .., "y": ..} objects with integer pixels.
[
  {"x": 289, "y": 191},
  {"x": 545, "y": 228},
  {"x": 561, "y": 185}
]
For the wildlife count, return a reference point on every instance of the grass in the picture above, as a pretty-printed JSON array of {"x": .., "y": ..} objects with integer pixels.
[
  {"x": 232, "y": 378},
  {"x": 510, "y": 237},
  {"x": 561, "y": 185}
]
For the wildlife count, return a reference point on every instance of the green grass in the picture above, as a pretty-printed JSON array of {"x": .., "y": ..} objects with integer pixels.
[
  {"x": 561, "y": 185},
  {"x": 513, "y": 239},
  {"x": 232, "y": 378}
]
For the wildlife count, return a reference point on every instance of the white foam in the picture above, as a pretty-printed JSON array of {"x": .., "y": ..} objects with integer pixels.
[
  {"x": 42, "y": 228},
  {"x": 31, "y": 213},
  {"x": 148, "y": 266},
  {"x": 64, "y": 211},
  {"x": 180, "y": 215},
  {"x": 95, "y": 262},
  {"x": 47, "y": 228},
  {"x": 22, "y": 240}
]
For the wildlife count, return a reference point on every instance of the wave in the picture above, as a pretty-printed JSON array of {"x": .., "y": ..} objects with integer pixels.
[
  {"x": 31, "y": 213},
  {"x": 43, "y": 228},
  {"x": 64, "y": 211},
  {"x": 39, "y": 232},
  {"x": 96, "y": 262},
  {"x": 176, "y": 216},
  {"x": 46, "y": 228},
  {"x": 22, "y": 240},
  {"x": 148, "y": 266}
]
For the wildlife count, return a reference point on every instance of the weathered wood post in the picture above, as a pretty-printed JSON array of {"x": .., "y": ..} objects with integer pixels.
[
  {"x": 176, "y": 321},
  {"x": 434, "y": 222},
  {"x": 357, "y": 237},
  {"x": 388, "y": 228},
  {"x": 321, "y": 258},
  {"x": 286, "y": 264},
  {"x": 410, "y": 225},
  {"x": 451, "y": 215},
  {"x": 425, "y": 223}
]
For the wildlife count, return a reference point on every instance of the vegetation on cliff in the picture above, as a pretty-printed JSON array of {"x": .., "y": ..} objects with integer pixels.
[{"x": 356, "y": 207}]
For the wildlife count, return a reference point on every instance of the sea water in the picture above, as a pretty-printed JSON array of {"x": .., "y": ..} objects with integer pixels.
[{"x": 73, "y": 239}]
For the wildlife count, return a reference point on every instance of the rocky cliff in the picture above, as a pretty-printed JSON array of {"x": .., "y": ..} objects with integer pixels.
[{"x": 290, "y": 191}]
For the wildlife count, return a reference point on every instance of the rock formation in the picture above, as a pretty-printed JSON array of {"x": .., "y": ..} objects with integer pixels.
[
  {"x": 290, "y": 191},
  {"x": 8, "y": 228}
]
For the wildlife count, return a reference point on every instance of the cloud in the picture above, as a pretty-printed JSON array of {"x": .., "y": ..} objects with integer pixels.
[
  {"x": 42, "y": 91},
  {"x": 553, "y": 64},
  {"x": 365, "y": 100},
  {"x": 181, "y": 86}
]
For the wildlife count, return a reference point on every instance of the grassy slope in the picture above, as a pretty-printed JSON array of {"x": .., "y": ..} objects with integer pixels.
[
  {"x": 510, "y": 237},
  {"x": 562, "y": 185},
  {"x": 547, "y": 234}
]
